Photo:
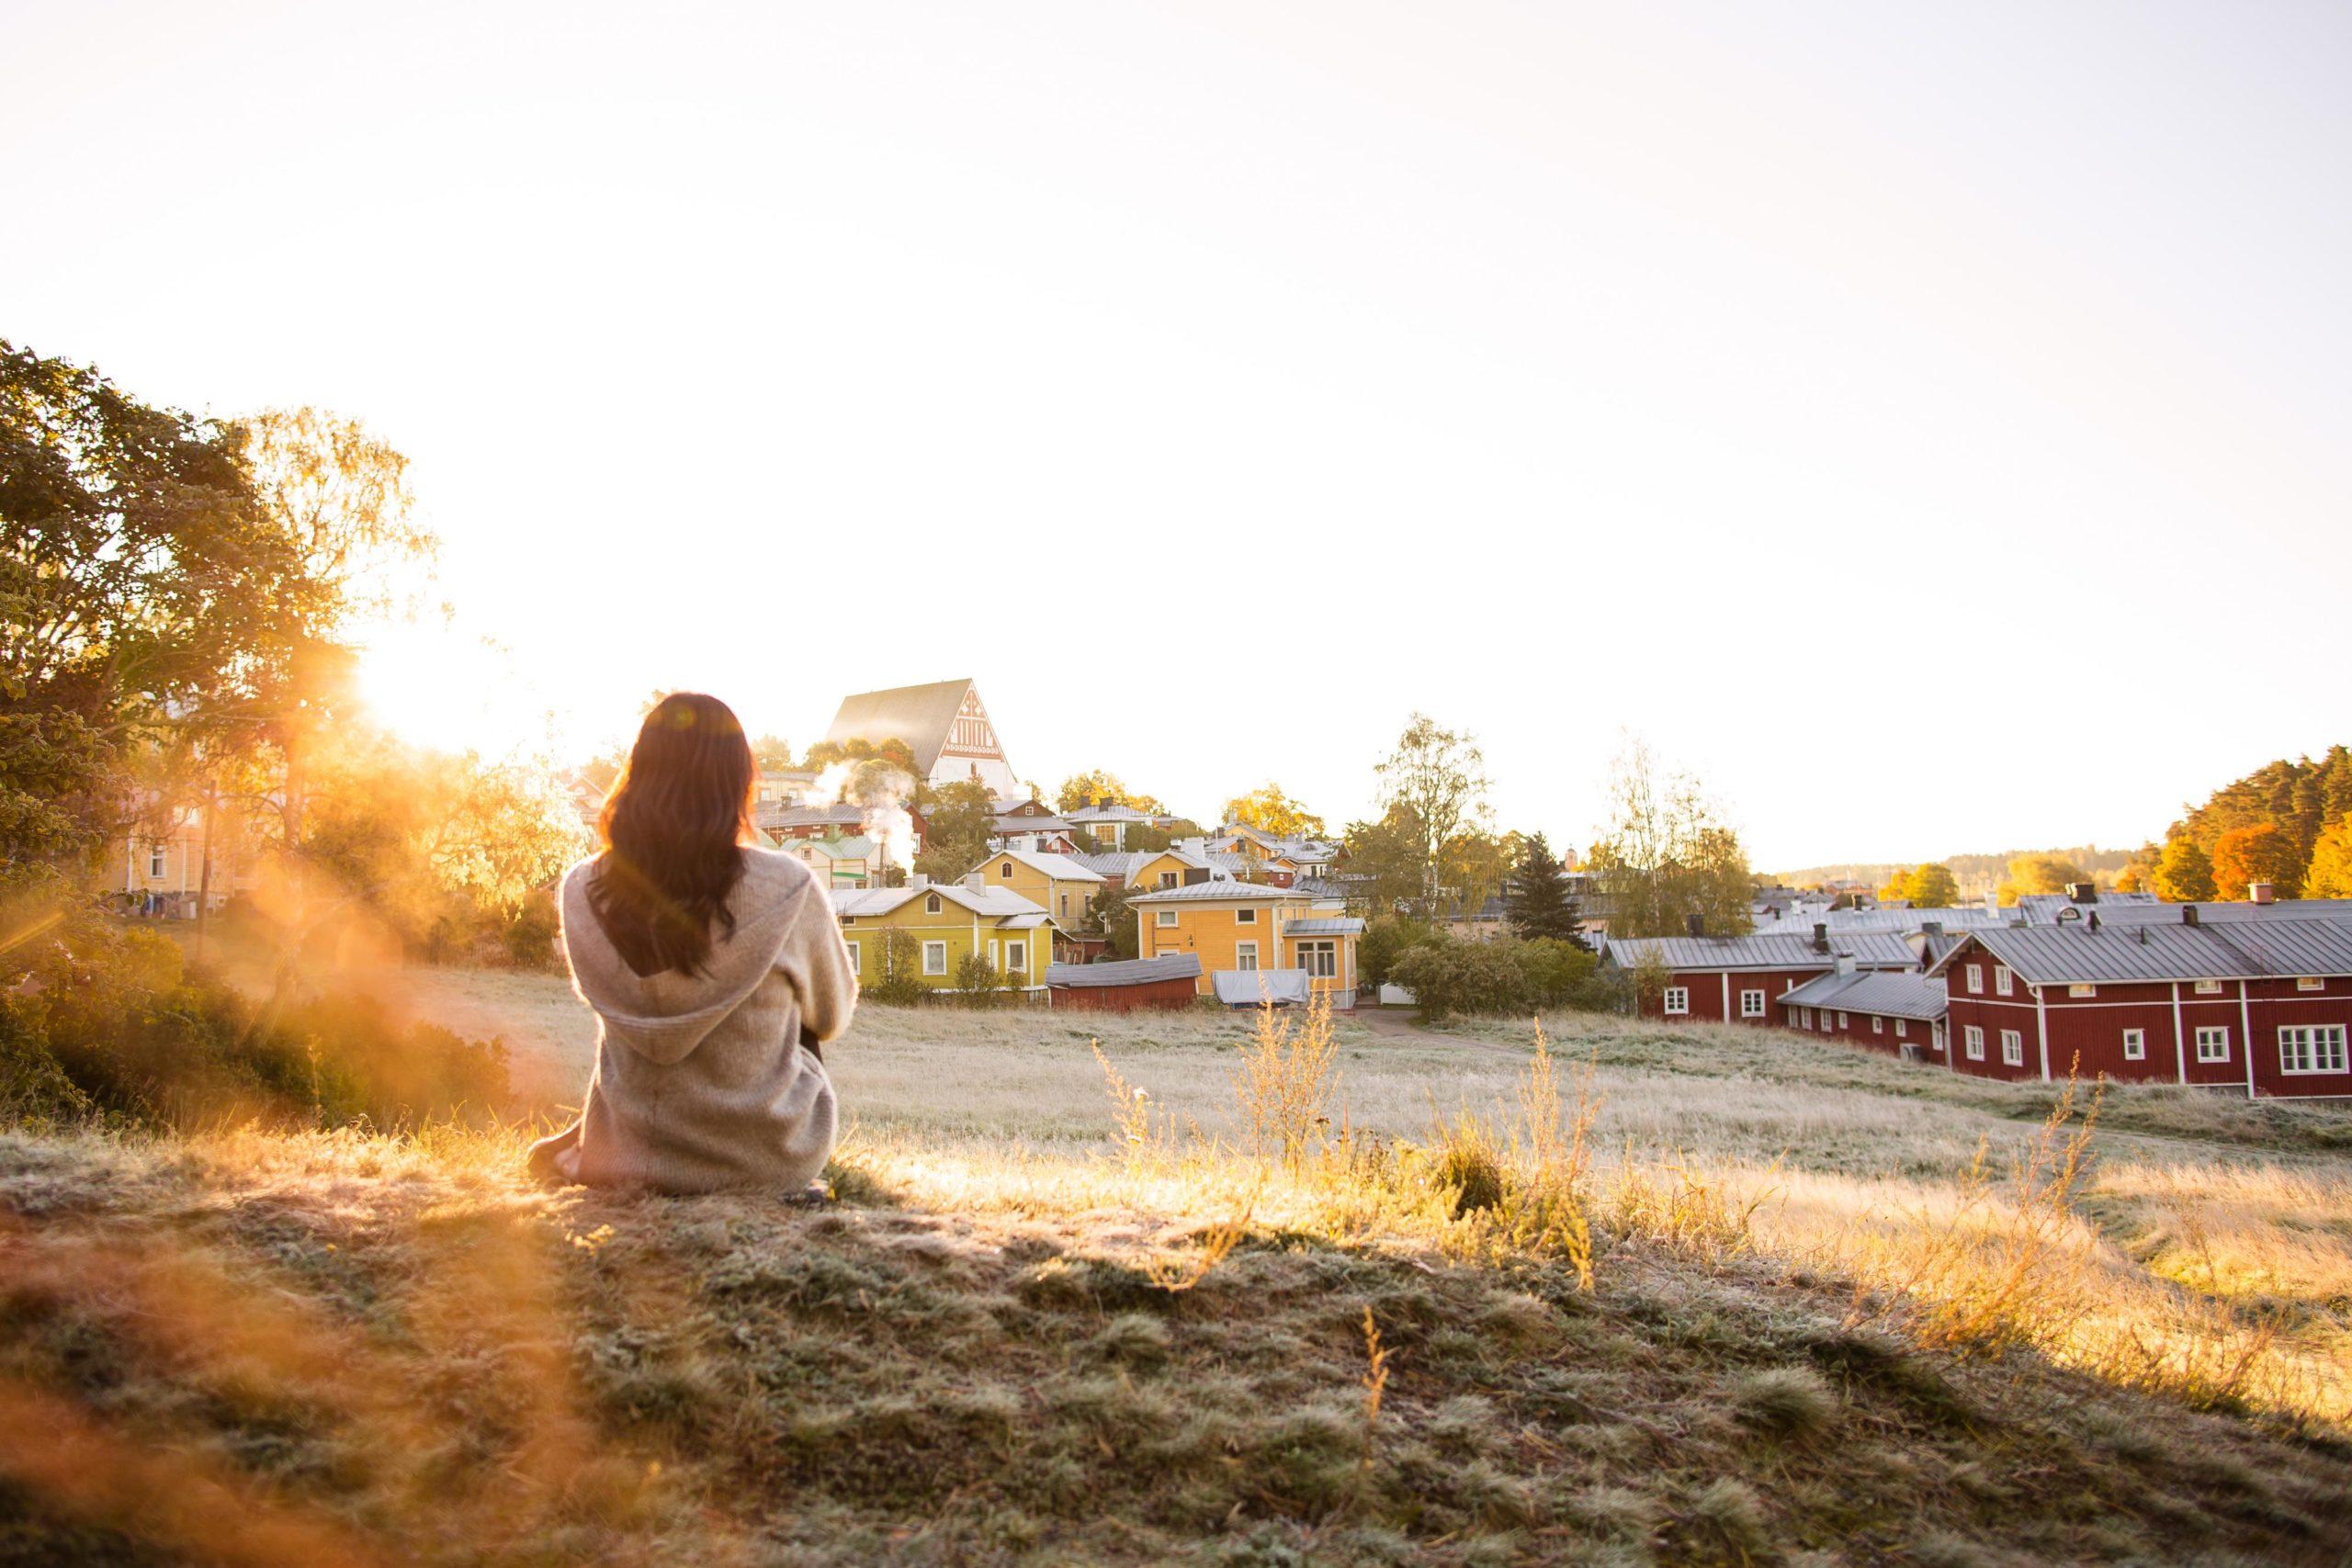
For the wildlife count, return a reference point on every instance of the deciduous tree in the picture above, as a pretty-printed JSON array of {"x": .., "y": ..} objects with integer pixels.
[
  {"x": 2185, "y": 873},
  {"x": 957, "y": 826},
  {"x": 1269, "y": 810},
  {"x": 1439, "y": 777},
  {"x": 1666, "y": 856},
  {"x": 2330, "y": 873},
  {"x": 1099, "y": 787},
  {"x": 2263, "y": 852}
]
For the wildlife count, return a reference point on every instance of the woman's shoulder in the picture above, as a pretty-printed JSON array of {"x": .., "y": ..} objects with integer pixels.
[{"x": 771, "y": 874}]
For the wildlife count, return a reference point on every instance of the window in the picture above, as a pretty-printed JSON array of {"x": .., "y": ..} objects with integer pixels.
[
  {"x": 1678, "y": 1001},
  {"x": 2312, "y": 1048},
  {"x": 1065, "y": 899},
  {"x": 2135, "y": 1045},
  {"x": 856, "y": 964},
  {"x": 2012, "y": 1048},
  {"x": 849, "y": 920},
  {"x": 2002, "y": 980},
  {"x": 2213, "y": 1044},
  {"x": 158, "y": 860},
  {"x": 1245, "y": 956},
  {"x": 1824, "y": 1016},
  {"x": 2082, "y": 990},
  {"x": 2311, "y": 983},
  {"x": 1805, "y": 1018},
  {"x": 1005, "y": 871},
  {"x": 1321, "y": 960},
  {"x": 1166, "y": 917},
  {"x": 1977, "y": 980},
  {"x": 1167, "y": 879},
  {"x": 1975, "y": 1039},
  {"x": 1245, "y": 917},
  {"x": 1751, "y": 1004},
  {"x": 1841, "y": 1018},
  {"x": 1902, "y": 1028},
  {"x": 1878, "y": 1024},
  {"x": 931, "y": 905},
  {"x": 934, "y": 958},
  {"x": 1016, "y": 958},
  {"x": 2209, "y": 987}
]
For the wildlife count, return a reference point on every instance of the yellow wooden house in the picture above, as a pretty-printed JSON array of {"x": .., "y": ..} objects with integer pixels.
[
  {"x": 1056, "y": 884},
  {"x": 948, "y": 920},
  {"x": 1243, "y": 927}
]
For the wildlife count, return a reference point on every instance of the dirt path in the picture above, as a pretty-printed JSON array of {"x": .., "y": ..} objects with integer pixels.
[{"x": 1397, "y": 1023}]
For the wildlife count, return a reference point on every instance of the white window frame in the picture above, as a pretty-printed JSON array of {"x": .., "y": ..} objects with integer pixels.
[
  {"x": 2013, "y": 1048},
  {"x": 931, "y": 905},
  {"x": 1675, "y": 1001},
  {"x": 1878, "y": 1024},
  {"x": 1841, "y": 1018},
  {"x": 1902, "y": 1029},
  {"x": 1973, "y": 1042},
  {"x": 2004, "y": 982},
  {"x": 856, "y": 958},
  {"x": 1016, "y": 957},
  {"x": 848, "y": 920},
  {"x": 2079, "y": 989},
  {"x": 2135, "y": 1045},
  {"x": 1167, "y": 880},
  {"x": 941, "y": 966},
  {"x": 2310, "y": 983},
  {"x": 1751, "y": 1004},
  {"x": 2213, "y": 1043},
  {"x": 1805, "y": 1018},
  {"x": 1164, "y": 918},
  {"x": 159, "y": 862},
  {"x": 1976, "y": 979},
  {"x": 1004, "y": 871},
  {"x": 1822, "y": 1017},
  {"x": 2320, "y": 1047},
  {"x": 1245, "y": 957},
  {"x": 1321, "y": 958},
  {"x": 2209, "y": 987},
  {"x": 1245, "y": 917}
]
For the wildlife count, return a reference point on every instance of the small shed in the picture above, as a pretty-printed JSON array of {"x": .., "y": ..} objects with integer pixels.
[
  {"x": 1258, "y": 988},
  {"x": 1127, "y": 984}
]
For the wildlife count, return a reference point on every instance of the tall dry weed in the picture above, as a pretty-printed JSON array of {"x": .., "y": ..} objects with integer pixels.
[{"x": 1286, "y": 1084}]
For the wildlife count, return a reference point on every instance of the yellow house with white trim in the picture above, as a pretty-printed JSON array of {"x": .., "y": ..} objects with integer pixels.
[
  {"x": 948, "y": 921},
  {"x": 1245, "y": 927},
  {"x": 1056, "y": 884}
]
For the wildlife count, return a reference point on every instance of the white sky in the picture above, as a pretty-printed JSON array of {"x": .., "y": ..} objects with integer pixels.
[{"x": 1792, "y": 385}]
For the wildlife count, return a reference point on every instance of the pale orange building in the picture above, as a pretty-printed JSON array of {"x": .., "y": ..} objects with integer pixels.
[{"x": 1243, "y": 927}]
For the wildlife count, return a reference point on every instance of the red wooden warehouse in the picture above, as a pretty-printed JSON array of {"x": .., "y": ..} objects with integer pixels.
[
  {"x": 1737, "y": 979},
  {"x": 1126, "y": 986},
  {"x": 2261, "y": 1006}
]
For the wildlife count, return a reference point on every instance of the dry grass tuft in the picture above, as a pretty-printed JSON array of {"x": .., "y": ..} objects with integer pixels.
[{"x": 1788, "y": 1402}]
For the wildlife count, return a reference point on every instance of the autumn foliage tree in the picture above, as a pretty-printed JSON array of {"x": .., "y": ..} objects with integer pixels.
[
  {"x": 1667, "y": 857},
  {"x": 1098, "y": 786},
  {"x": 1929, "y": 886},
  {"x": 1269, "y": 810},
  {"x": 2329, "y": 875},
  {"x": 2260, "y": 852},
  {"x": 2184, "y": 872}
]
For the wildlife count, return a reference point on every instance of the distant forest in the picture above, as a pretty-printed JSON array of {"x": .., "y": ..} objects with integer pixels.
[
  {"x": 2287, "y": 823},
  {"x": 1977, "y": 875}
]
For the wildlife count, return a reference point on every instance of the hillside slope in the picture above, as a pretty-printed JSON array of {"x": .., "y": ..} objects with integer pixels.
[{"x": 343, "y": 1349}]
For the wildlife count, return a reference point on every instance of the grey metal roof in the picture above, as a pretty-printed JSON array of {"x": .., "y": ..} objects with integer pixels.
[
  {"x": 1881, "y": 950},
  {"x": 991, "y": 901},
  {"x": 773, "y": 816},
  {"x": 2038, "y": 908},
  {"x": 1126, "y": 971},
  {"x": 2076, "y": 953},
  {"x": 1064, "y": 868},
  {"x": 1196, "y": 892},
  {"x": 1890, "y": 995},
  {"x": 2226, "y": 912},
  {"x": 1334, "y": 926},
  {"x": 1107, "y": 814},
  {"x": 1253, "y": 988},
  {"x": 1950, "y": 917}
]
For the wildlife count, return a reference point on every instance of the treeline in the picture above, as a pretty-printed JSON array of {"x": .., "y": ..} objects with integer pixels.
[
  {"x": 179, "y": 602},
  {"x": 2287, "y": 823}
]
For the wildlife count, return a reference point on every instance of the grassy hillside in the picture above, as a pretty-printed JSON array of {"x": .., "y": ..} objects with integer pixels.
[{"x": 1676, "y": 1296}]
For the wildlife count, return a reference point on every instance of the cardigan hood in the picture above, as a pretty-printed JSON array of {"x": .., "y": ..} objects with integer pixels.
[{"x": 663, "y": 1016}]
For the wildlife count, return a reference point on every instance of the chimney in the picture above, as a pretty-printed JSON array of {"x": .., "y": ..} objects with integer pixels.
[
  {"x": 1844, "y": 965},
  {"x": 920, "y": 879},
  {"x": 977, "y": 882},
  {"x": 2261, "y": 892},
  {"x": 2188, "y": 914},
  {"x": 2082, "y": 892},
  {"x": 2093, "y": 923},
  {"x": 1695, "y": 924},
  {"x": 1931, "y": 928},
  {"x": 1820, "y": 936}
]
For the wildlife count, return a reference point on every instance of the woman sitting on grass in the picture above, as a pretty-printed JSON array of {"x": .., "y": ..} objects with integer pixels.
[{"x": 715, "y": 968}]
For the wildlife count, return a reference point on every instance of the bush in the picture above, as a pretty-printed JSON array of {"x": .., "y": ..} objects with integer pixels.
[
  {"x": 1386, "y": 938},
  {"x": 1499, "y": 976},
  {"x": 114, "y": 1017},
  {"x": 901, "y": 959}
]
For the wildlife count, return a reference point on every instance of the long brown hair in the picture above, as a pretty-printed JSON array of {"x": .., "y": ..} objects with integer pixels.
[{"x": 672, "y": 829}]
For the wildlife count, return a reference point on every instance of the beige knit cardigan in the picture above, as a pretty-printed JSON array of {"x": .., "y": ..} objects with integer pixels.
[{"x": 701, "y": 1081}]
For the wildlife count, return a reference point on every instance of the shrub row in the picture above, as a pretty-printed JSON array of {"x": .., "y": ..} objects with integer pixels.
[{"x": 1501, "y": 976}]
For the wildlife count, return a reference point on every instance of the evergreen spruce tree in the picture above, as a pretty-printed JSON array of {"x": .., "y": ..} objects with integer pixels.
[{"x": 1537, "y": 901}]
